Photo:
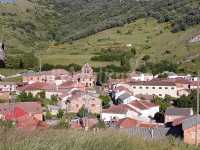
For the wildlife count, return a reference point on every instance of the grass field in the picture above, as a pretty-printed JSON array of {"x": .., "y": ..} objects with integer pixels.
[
  {"x": 147, "y": 36},
  {"x": 79, "y": 140},
  {"x": 8, "y": 72}
]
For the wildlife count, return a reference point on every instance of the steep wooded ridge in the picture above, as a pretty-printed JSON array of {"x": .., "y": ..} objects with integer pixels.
[{"x": 64, "y": 20}]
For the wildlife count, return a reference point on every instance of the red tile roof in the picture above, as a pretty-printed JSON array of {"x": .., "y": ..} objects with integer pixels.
[
  {"x": 16, "y": 113},
  {"x": 142, "y": 105},
  {"x": 127, "y": 123},
  {"x": 70, "y": 84},
  {"x": 37, "y": 86},
  {"x": 29, "y": 122},
  {"x": 149, "y": 125},
  {"x": 154, "y": 83},
  {"x": 119, "y": 109},
  {"x": 29, "y": 107},
  {"x": 130, "y": 123}
]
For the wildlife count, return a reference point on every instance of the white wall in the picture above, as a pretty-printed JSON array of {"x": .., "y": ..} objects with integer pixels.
[
  {"x": 148, "y": 90},
  {"x": 109, "y": 116}
]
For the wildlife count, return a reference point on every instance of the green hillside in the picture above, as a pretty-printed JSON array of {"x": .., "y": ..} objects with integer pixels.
[
  {"x": 147, "y": 36},
  {"x": 63, "y": 31}
]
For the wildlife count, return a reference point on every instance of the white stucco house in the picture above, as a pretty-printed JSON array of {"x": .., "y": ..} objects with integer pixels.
[
  {"x": 141, "y": 76},
  {"x": 157, "y": 88},
  {"x": 140, "y": 110}
]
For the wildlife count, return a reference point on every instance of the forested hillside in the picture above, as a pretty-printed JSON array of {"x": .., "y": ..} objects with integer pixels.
[{"x": 33, "y": 25}]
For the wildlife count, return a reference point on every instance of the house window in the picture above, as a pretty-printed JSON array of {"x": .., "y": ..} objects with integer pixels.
[
  {"x": 166, "y": 87},
  {"x": 160, "y": 87},
  {"x": 134, "y": 87},
  {"x": 153, "y": 87},
  {"x": 160, "y": 94},
  {"x": 172, "y": 88},
  {"x": 147, "y": 87},
  {"x": 140, "y": 87}
]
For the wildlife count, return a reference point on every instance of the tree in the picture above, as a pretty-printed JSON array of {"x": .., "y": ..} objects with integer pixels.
[
  {"x": 63, "y": 123},
  {"x": 82, "y": 112},
  {"x": 46, "y": 67},
  {"x": 29, "y": 60},
  {"x": 41, "y": 94},
  {"x": 159, "y": 117},
  {"x": 133, "y": 51},
  {"x": 24, "y": 97},
  {"x": 162, "y": 75},
  {"x": 105, "y": 101},
  {"x": 48, "y": 115},
  {"x": 60, "y": 113},
  {"x": 187, "y": 101},
  {"x": 162, "y": 103},
  {"x": 53, "y": 100},
  {"x": 123, "y": 60},
  {"x": 102, "y": 77},
  {"x": 146, "y": 58}
]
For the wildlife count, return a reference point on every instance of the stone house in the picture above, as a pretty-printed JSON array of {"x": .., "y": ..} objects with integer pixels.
[
  {"x": 140, "y": 110},
  {"x": 57, "y": 76},
  {"x": 191, "y": 126},
  {"x": 75, "y": 100}
]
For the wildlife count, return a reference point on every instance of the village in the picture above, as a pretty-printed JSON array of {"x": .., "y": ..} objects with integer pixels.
[{"x": 59, "y": 98}]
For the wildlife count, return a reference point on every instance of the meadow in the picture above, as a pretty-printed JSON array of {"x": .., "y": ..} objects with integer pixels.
[{"x": 60, "y": 139}]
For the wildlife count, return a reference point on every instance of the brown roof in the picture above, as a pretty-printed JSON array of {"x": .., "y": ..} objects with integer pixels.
[
  {"x": 142, "y": 105},
  {"x": 127, "y": 123},
  {"x": 130, "y": 123},
  {"x": 30, "y": 107},
  {"x": 118, "y": 109},
  {"x": 154, "y": 83},
  {"x": 178, "y": 111},
  {"x": 37, "y": 86},
  {"x": 145, "y": 97},
  {"x": 29, "y": 122}
]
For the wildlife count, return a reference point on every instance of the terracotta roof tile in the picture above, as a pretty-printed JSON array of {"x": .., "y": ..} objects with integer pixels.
[
  {"x": 118, "y": 109},
  {"x": 154, "y": 83},
  {"x": 37, "y": 86},
  {"x": 142, "y": 105}
]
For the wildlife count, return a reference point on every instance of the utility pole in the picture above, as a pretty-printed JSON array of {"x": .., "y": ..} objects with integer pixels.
[{"x": 197, "y": 116}]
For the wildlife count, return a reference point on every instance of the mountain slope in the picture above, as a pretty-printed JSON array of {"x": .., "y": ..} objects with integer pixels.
[
  {"x": 145, "y": 35},
  {"x": 36, "y": 25}
]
